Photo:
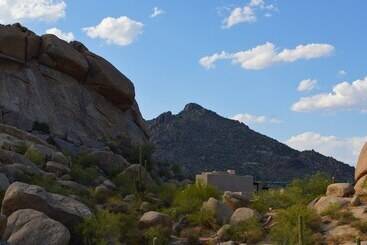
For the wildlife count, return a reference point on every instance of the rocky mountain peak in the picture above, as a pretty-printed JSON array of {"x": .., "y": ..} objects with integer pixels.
[{"x": 200, "y": 140}]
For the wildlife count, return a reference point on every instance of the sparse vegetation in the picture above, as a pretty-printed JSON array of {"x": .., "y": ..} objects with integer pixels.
[
  {"x": 285, "y": 231},
  {"x": 110, "y": 228},
  {"x": 299, "y": 191},
  {"x": 35, "y": 156},
  {"x": 249, "y": 231},
  {"x": 159, "y": 234}
]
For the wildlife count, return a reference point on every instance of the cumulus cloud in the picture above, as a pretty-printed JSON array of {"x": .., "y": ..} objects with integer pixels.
[
  {"x": 306, "y": 85},
  {"x": 67, "y": 36},
  {"x": 156, "y": 12},
  {"x": 254, "y": 119},
  {"x": 247, "y": 13},
  {"x": 343, "y": 96},
  {"x": 120, "y": 31},
  {"x": 265, "y": 55},
  {"x": 19, "y": 10},
  {"x": 342, "y": 149}
]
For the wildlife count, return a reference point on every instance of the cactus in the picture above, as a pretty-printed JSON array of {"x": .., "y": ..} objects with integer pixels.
[
  {"x": 300, "y": 231},
  {"x": 358, "y": 241},
  {"x": 155, "y": 241},
  {"x": 139, "y": 180}
]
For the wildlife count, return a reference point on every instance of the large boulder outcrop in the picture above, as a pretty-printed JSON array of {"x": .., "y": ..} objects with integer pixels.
[
  {"x": 17, "y": 43},
  {"x": 61, "y": 208},
  {"x": 109, "y": 162},
  {"x": 30, "y": 227},
  {"x": 361, "y": 167},
  {"x": 58, "y": 54},
  {"x": 324, "y": 203},
  {"x": 243, "y": 214},
  {"x": 340, "y": 190},
  {"x": 77, "y": 96}
]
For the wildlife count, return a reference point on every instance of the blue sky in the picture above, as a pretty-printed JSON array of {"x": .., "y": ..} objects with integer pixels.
[{"x": 162, "y": 54}]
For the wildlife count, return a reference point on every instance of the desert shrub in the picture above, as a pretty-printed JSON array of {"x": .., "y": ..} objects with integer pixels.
[
  {"x": 285, "y": 230},
  {"x": 332, "y": 210},
  {"x": 144, "y": 152},
  {"x": 204, "y": 218},
  {"x": 125, "y": 185},
  {"x": 166, "y": 193},
  {"x": 360, "y": 225},
  {"x": 21, "y": 148},
  {"x": 299, "y": 191},
  {"x": 35, "y": 156},
  {"x": 249, "y": 231},
  {"x": 41, "y": 127},
  {"x": 343, "y": 217},
  {"x": 49, "y": 184},
  {"x": 190, "y": 199},
  {"x": 85, "y": 160},
  {"x": 159, "y": 234},
  {"x": 110, "y": 228},
  {"x": 84, "y": 175}
]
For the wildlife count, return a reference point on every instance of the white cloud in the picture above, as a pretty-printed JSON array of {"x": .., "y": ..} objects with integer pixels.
[
  {"x": 306, "y": 85},
  {"x": 343, "y": 96},
  {"x": 156, "y": 12},
  {"x": 121, "y": 31},
  {"x": 67, "y": 36},
  {"x": 20, "y": 10},
  {"x": 265, "y": 55},
  {"x": 254, "y": 119},
  {"x": 247, "y": 13},
  {"x": 342, "y": 73},
  {"x": 343, "y": 149}
]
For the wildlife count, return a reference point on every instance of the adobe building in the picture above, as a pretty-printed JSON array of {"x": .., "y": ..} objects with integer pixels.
[{"x": 228, "y": 181}]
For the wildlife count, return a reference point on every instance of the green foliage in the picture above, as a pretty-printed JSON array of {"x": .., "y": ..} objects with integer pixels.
[
  {"x": 335, "y": 211},
  {"x": 249, "y": 231},
  {"x": 176, "y": 169},
  {"x": 85, "y": 160},
  {"x": 35, "y": 156},
  {"x": 124, "y": 184},
  {"x": 299, "y": 191},
  {"x": 49, "y": 184},
  {"x": 110, "y": 228},
  {"x": 204, "y": 218},
  {"x": 159, "y": 233},
  {"x": 21, "y": 148},
  {"x": 166, "y": 193},
  {"x": 84, "y": 175},
  {"x": 42, "y": 127},
  {"x": 141, "y": 154},
  {"x": 332, "y": 210},
  {"x": 286, "y": 229},
  {"x": 190, "y": 199},
  {"x": 360, "y": 225}
]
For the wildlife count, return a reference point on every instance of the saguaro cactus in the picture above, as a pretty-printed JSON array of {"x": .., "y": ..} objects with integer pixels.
[
  {"x": 358, "y": 241},
  {"x": 300, "y": 231}
]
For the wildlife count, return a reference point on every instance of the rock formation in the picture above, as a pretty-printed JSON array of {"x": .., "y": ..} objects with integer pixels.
[
  {"x": 200, "y": 140},
  {"x": 51, "y": 85}
]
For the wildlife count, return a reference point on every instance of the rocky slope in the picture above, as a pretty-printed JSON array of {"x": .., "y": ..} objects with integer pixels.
[
  {"x": 50, "y": 85},
  {"x": 199, "y": 139}
]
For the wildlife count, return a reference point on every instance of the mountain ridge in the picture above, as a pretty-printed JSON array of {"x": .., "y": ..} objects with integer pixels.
[{"x": 199, "y": 139}]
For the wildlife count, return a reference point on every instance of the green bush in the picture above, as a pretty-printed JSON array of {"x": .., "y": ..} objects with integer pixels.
[
  {"x": 50, "y": 185},
  {"x": 35, "y": 156},
  {"x": 159, "y": 234},
  {"x": 144, "y": 152},
  {"x": 250, "y": 231},
  {"x": 299, "y": 191},
  {"x": 190, "y": 199},
  {"x": 343, "y": 217},
  {"x": 84, "y": 175},
  {"x": 21, "y": 148},
  {"x": 85, "y": 160},
  {"x": 204, "y": 218},
  {"x": 110, "y": 228},
  {"x": 285, "y": 230},
  {"x": 125, "y": 185}
]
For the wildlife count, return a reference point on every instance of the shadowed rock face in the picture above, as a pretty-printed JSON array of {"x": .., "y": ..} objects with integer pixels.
[
  {"x": 79, "y": 95},
  {"x": 201, "y": 140}
]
